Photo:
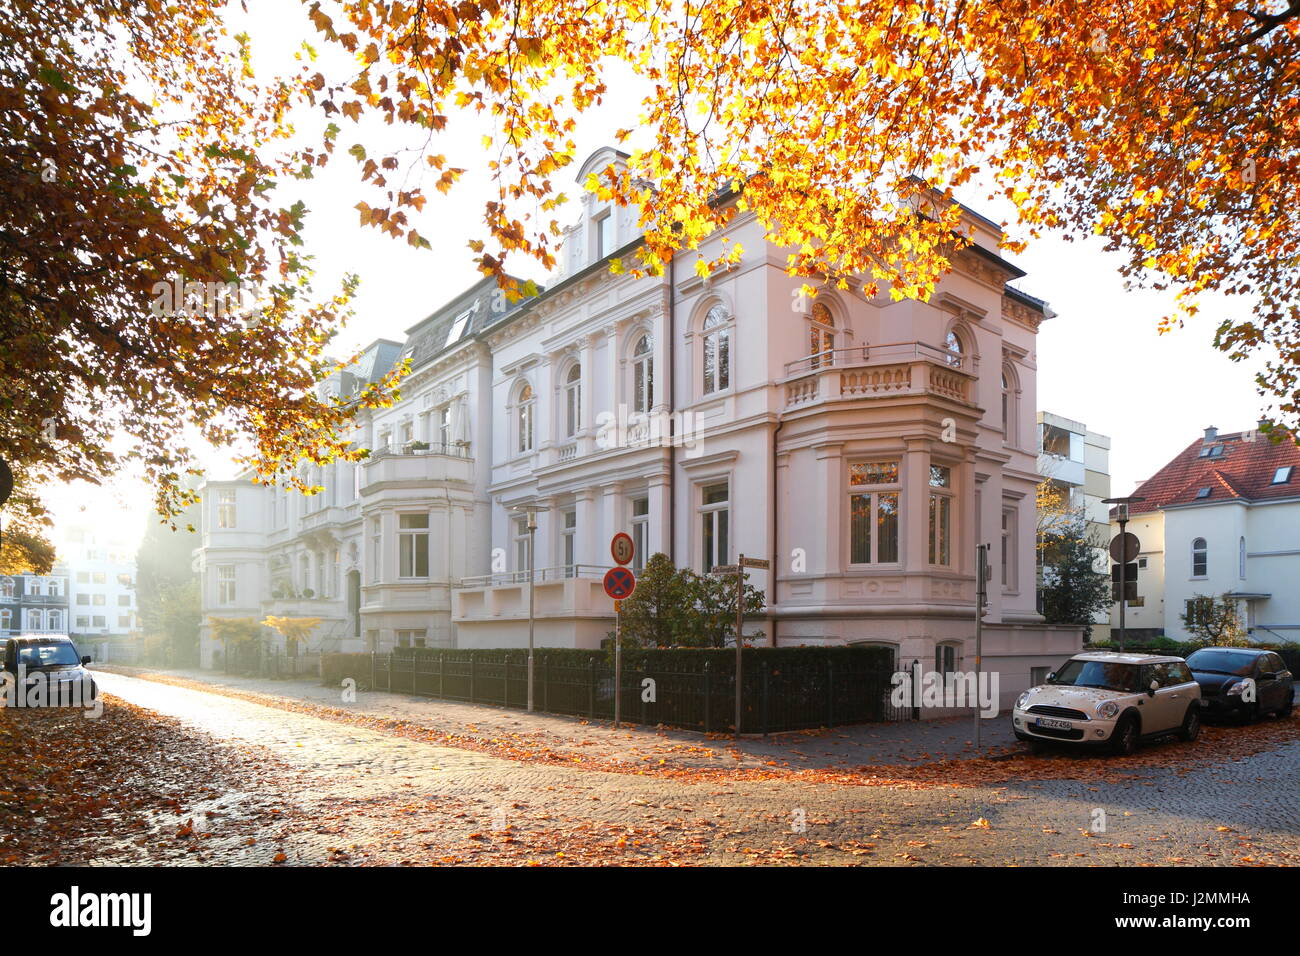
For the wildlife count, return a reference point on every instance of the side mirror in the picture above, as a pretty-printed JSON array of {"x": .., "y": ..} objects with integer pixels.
[
  {"x": 1155, "y": 686},
  {"x": 85, "y": 659},
  {"x": 1051, "y": 676}
]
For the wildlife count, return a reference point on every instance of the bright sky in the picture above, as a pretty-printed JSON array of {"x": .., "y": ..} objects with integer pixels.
[{"x": 1101, "y": 361}]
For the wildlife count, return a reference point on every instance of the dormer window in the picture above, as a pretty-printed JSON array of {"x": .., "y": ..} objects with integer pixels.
[
  {"x": 1213, "y": 451},
  {"x": 458, "y": 327},
  {"x": 1203, "y": 493},
  {"x": 1282, "y": 475}
]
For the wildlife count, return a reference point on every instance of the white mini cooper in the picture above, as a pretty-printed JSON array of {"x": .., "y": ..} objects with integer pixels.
[{"x": 1117, "y": 700}]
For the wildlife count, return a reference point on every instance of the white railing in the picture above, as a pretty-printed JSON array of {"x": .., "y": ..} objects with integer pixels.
[{"x": 540, "y": 575}]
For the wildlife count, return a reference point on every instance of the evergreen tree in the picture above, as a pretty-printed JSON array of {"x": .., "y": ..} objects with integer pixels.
[{"x": 1073, "y": 590}]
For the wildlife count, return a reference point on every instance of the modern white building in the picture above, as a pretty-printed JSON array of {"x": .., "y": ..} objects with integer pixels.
[
  {"x": 1221, "y": 518},
  {"x": 1077, "y": 462},
  {"x": 863, "y": 446},
  {"x": 102, "y": 576}
]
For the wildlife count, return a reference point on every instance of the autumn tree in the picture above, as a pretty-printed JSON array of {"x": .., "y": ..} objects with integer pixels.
[
  {"x": 846, "y": 127},
  {"x": 1214, "y": 620},
  {"x": 152, "y": 288},
  {"x": 713, "y": 623},
  {"x": 295, "y": 630},
  {"x": 657, "y": 613}
]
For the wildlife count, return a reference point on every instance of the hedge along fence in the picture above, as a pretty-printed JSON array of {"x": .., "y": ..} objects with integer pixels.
[{"x": 784, "y": 688}]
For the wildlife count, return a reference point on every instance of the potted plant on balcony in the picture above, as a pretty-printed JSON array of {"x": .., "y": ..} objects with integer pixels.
[
  {"x": 418, "y": 446},
  {"x": 308, "y": 593}
]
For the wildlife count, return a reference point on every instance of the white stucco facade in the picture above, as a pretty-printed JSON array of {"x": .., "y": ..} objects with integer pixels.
[{"x": 863, "y": 446}]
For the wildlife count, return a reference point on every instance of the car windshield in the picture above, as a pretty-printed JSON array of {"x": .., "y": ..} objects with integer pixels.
[
  {"x": 50, "y": 654},
  {"x": 1104, "y": 674},
  {"x": 1222, "y": 662}
]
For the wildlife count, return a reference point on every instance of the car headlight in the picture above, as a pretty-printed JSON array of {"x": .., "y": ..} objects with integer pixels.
[
  {"x": 1022, "y": 700},
  {"x": 1107, "y": 709},
  {"x": 1236, "y": 689}
]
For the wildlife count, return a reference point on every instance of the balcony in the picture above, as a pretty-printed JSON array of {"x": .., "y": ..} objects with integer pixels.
[
  {"x": 878, "y": 371},
  {"x": 392, "y": 465},
  {"x": 571, "y": 608}
]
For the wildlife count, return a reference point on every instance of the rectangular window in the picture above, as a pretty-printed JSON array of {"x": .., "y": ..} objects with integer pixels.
[
  {"x": 413, "y": 546},
  {"x": 98, "y": 577},
  {"x": 225, "y": 585},
  {"x": 124, "y": 620},
  {"x": 226, "y": 508},
  {"x": 640, "y": 531},
  {"x": 940, "y": 516},
  {"x": 940, "y": 529},
  {"x": 83, "y": 577},
  {"x": 413, "y": 638},
  {"x": 714, "y": 525},
  {"x": 124, "y": 600},
  {"x": 1198, "y": 610},
  {"x": 83, "y": 598},
  {"x": 1008, "y": 556},
  {"x": 98, "y": 620},
  {"x": 570, "y": 536},
  {"x": 98, "y": 600},
  {"x": 604, "y": 236},
  {"x": 376, "y": 550},
  {"x": 83, "y": 620},
  {"x": 521, "y": 544},
  {"x": 874, "y": 513}
]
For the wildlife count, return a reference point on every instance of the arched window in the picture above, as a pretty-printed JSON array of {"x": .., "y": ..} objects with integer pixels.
[
  {"x": 524, "y": 410},
  {"x": 1241, "y": 558},
  {"x": 717, "y": 350},
  {"x": 54, "y": 620},
  {"x": 573, "y": 400},
  {"x": 821, "y": 342},
  {"x": 6, "y": 587},
  {"x": 1010, "y": 415},
  {"x": 955, "y": 349},
  {"x": 6, "y": 619},
  {"x": 1200, "y": 558},
  {"x": 643, "y": 376}
]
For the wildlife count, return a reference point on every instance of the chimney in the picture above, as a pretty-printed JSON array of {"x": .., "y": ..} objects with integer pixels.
[{"x": 1211, "y": 434}]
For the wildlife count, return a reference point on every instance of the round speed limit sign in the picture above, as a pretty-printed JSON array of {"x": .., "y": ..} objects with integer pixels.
[{"x": 622, "y": 548}]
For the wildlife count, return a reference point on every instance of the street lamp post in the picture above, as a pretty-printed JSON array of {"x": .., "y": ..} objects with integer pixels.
[{"x": 530, "y": 513}]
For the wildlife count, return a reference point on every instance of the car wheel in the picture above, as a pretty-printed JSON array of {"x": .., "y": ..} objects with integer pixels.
[
  {"x": 1191, "y": 728},
  {"x": 1124, "y": 738},
  {"x": 1285, "y": 710},
  {"x": 1250, "y": 713}
]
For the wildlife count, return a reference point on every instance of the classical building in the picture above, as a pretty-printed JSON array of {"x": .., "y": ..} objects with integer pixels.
[
  {"x": 863, "y": 446},
  {"x": 1076, "y": 462},
  {"x": 1221, "y": 518},
  {"x": 34, "y": 603}
]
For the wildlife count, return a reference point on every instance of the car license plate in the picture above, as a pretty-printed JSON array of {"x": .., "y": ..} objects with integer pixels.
[{"x": 1054, "y": 724}]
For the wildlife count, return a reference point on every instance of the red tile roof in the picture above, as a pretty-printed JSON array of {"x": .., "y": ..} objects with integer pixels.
[{"x": 1243, "y": 471}]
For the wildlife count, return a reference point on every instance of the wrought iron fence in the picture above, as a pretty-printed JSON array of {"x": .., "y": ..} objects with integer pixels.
[{"x": 780, "y": 693}]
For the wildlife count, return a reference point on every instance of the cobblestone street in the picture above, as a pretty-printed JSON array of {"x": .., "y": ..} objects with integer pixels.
[{"x": 365, "y": 790}]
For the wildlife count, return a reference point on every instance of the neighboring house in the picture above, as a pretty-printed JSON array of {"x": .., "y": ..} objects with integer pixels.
[
  {"x": 1223, "y": 517},
  {"x": 34, "y": 603},
  {"x": 101, "y": 572},
  {"x": 863, "y": 446},
  {"x": 1077, "y": 462}
]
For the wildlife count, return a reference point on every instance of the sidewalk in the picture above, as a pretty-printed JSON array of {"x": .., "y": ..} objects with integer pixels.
[{"x": 886, "y": 744}]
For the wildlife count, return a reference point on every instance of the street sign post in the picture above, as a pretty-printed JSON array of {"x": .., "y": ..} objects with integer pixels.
[
  {"x": 622, "y": 548},
  {"x": 981, "y": 591},
  {"x": 739, "y": 571},
  {"x": 1124, "y": 549},
  {"x": 619, "y": 582}
]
